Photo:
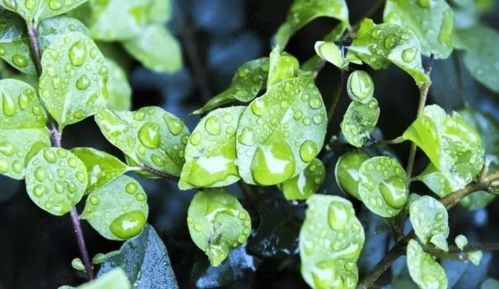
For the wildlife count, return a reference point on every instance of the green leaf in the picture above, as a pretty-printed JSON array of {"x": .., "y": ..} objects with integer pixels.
[
  {"x": 120, "y": 92},
  {"x": 150, "y": 136},
  {"x": 73, "y": 84},
  {"x": 281, "y": 132},
  {"x": 52, "y": 28},
  {"x": 475, "y": 257},
  {"x": 347, "y": 172},
  {"x": 480, "y": 43},
  {"x": 15, "y": 43},
  {"x": 156, "y": 49},
  {"x": 37, "y": 10},
  {"x": 101, "y": 166},
  {"x": 217, "y": 223},
  {"x": 424, "y": 270},
  {"x": 305, "y": 183},
  {"x": 248, "y": 81},
  {"x": 429, "y": 219},
  {"x": 210, "y": 155},
  {"x": 452, "y": 145},
  {"x": 118, "y": 210},
  {"x": 304, "y": 11},
  {"x": 56, "y": 180},
  {"x": 145, "y": 260},
  {"x": 461, "y": 241},
  {"x": 380, "y": 45},
  {"x": 282, "y": 66},
  {"x": 360, "y": 86},
  {"x": 23, "y": 130},
  {"x": 431, "y": 21},
  {"x": 383, "y": 186},
  {"x": 115, "y": 279},
  {"x": 331, "y": 240},
  {"x": 331, "y": 53},
  {"x": 359, "y": 122}
]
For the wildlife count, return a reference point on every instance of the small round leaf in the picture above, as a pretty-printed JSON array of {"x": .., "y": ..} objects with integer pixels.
[
  {"x": 429, "y": 219},
  {"x": 359, "y": 122},
  {"x": 360, "y": 86}
]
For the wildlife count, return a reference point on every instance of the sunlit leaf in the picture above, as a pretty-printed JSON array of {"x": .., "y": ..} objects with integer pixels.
[
  {"x": 359, "y": 122},
  {"x": 429, "y": 219},
  {"x": 217, "y": 223},
  {"x": 480, "y": 57},
  {"x": 247, "y": 82},
  {"x": 156, "y": 49},
  {"x": 431, "y": 21},
  {"x": 281, "y": 132},
  {"x": 424, "y": 270},
  {"x": 330, "y": 52},
  {"x": 56, "y": 180},
  {"x": 37, "y": 10},
  {"x": 52, "y": 28},
  {"x": 120, "y": 92},
  {"x": 347, "y": 172},
  {"x": 452, "y": 145},
  {"x": 23, "y": 130},
  {"x": 378, "y": 45},
  {"x": 282, "y": 66},
  {"x": 150, "y": 136},
  {"x": 15, "y": 43},
  {"x": 210, "y": 155},
  {"x": 145, "y": 261},
  {"x": 73, "y": 84},
  {"x": 331, "y": 240},
  {"x": 305, "y": 183},
  {"x": 118, "y": 210},
  {"x": 304, "y": 11},
  {"x": 383, "y": 186},
  {"x": 101, "y": 166}
]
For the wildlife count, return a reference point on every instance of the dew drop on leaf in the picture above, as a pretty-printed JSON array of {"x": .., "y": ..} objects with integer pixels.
[
  {"x": 128, "y": 225},
  {"x": 149, "y": 135},
  {"x": 78, "y": 53},
  {"x": 273, "y": 164}
]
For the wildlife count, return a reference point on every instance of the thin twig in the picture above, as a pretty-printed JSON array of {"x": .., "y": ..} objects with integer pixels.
[
  {"x": 35, "y": 47},
  {"x": 75, "y": 218},
  {"x": 158, "y": 173}
]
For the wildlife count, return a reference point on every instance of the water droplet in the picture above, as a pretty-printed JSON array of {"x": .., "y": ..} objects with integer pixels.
[
  {"x": 306, "y": 121},
  {"x": 23, "y": 101},
  {"x": 338, "y": 217},
  {"x": 439, "y": 217},
  {"x": 83, "y": 82},
  {"x": 128, "y": 225},
  {"x": 246, "y": 137},
  {"x": 93, "y": 200},
  {"x": 424, "y": 3},
  {"x": 141, "y": 197},
  {"x": 9, "y": 106},
  {"x": 49, "y": 156},
  {"x": 195, "y": 138},
  {"x": 19, "y": 60},
  {"x": 55, "y": 4},
  {"x": 308, "y": 151},
  {"x": 258, "y": 107},
  {"x": 297, "y": 115},
  {"x": 149, "y": 135},
  {"x": 318, "y": 119},
  {"x": 39, "y": 190},
  {"x": 131, "y": 188},
  {"x": 40, "y": 174},
  {"x": 174, "y": 125},
  {"x": 273, "y": 164},
  {"x": 59, "y": 187},
  {"x": 77, "y": 52},
  {"x": 212, "y": 126},
  {"x": 17, "y": 166},
  {"x": 394, "y": 192},
  {"x": 139, "y": 115},
  {"x": 315, "y": 103},
  {"x": 409, "y": 54},
  {"x": 30, "y": 4},
  {"x": 241, "y": 239},
  {"x": 360, "y": 86},
  {"x": 81, "y": 176},
  {"x": 7, "y": 149},
  {"x": 72, "y": 162},
  {"x": 197, "y": 227}
]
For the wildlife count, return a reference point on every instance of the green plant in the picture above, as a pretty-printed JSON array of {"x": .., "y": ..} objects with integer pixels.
[{"x": 277, "y": 135}]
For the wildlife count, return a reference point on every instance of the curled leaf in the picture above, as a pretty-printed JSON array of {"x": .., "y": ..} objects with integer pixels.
[
  {"x": 429, "y": 219},
  {"x": 331, "y": 53}
]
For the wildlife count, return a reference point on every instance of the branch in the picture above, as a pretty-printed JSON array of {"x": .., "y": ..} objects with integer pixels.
[
  {"x": 35, "y": 47},
  {"x": 75, "y": 219}
]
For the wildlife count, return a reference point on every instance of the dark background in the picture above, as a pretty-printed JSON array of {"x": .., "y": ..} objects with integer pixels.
[{"x": 217, "y": 36}]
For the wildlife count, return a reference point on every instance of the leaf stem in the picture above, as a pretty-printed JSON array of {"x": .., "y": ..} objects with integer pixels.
[
  {"x": 423, "y": 95},
  {"x": 75, "y": 218},
  {"x": 35, "y": 47},
  {"x": 158, "y": 173}
]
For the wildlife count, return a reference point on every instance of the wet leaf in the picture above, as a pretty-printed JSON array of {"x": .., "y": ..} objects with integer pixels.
[
  {"x": 217, "y": 224},
  {"x": 331, "y": 53},
  {"x": 247, "y": 82},
  {"x": 429, "y": 219},
  {"x": 118, "y": 210},
  {"x": 452, "y": 145},
  {"x": 56, "y": 180},
  {"x": 480, "y": 57},
  {"x": 347, "y": 172},
  {"x": 383, "y": 186},
  {"x": 149, "y": 136},
  {"x": 281, "y": 132},
  {"x": 15, "y": 43},
  {"x": 145, "y": 261},
  {"x": 101, "y": 166},
  {"x": 359, "y": 122},
  {"x": 431, "y": 21},
  {"x": 37, "y": 10},
  {"x": 115, "y": 279},
  {"x": 282, "y": 66},
  {"x": 360, "y": 86},
  {"x": 424, "y": 270},
  {"x": 331, "y": 240},
  {"x": 210, "y": 155},
  {"x": 52, "y": 28},
  {"x": 304, "y": 11},
  {"x": 305, "y": 183},
  {"x": 156, "y": 49},
  {"x": 378, "y": 45},
  {"x": 120, "y": 92},
  {"x": 23, "y": 130},
  {"x": 73, "y": 84}
]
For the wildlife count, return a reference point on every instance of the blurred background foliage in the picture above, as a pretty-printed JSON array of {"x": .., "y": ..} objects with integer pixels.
[{"x": 217, "y": 36}]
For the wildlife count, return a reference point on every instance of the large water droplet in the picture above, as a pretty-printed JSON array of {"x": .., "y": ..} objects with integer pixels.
[
  {"x": 394, "y": 192},
  {"x": 195, "y": 138},
  {"x": 212, "y": 126},
  {"x": 9, "y": 106},
  {"x": 49, "y": 156},
  {"x": 40, "y": 174},
  {"x": 7, "y": 149},
  {"x": 23, "y": 101},
  {"x": 30, "y": 4},
  {"x": 40, "y": 190},
  {"x": 55, "y": 4},
  {"x": 337, "y": 217},
  {"x": 247, "y": 137},
  {"x": 131, "y": 188},
  {"x": 128, "y": 225},
  {"x": 149, "y": 135},
  {"x": 83, "y": 82},
  {"x": 360, "y": 86},
  {"x": 19, "y": 60},
  {"x": 273, "y": 164},
  {"x": 4, "y": 166},
  {"x": 78, "y": 53},
  {"x": 409, "y": 54},
  {"x": 258, "y": 107},
  {"x": 308, "y": 151},
  {"x": 174, "y": 125}
]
